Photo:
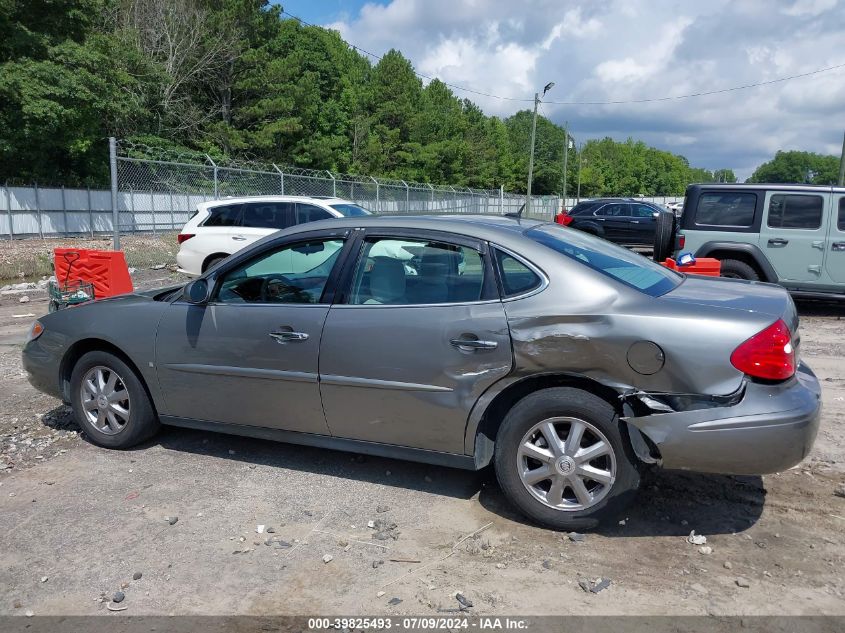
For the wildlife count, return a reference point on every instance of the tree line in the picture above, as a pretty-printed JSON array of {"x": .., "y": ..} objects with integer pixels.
[{"x": 232, "y": 78}]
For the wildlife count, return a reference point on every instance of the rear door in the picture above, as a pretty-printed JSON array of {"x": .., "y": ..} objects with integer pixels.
[
  {"x": 834, "y": 261},
  {"x": 613, "y": 220},
  {"x": 418, "y": 337},
  {"x": 259, "y": 219},
  {"x": 794, "y": 233}
]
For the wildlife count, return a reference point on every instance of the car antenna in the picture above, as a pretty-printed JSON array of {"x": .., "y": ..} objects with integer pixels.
[{"x": 518, "y": 214}]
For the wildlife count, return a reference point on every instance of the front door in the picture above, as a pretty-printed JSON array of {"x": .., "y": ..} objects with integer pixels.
[
  {"x": 250, "y": 356},
  {"x": 793, "y": 235},
  {"x": 420, "y": 335},
  {"x": 834, "y": 260}
]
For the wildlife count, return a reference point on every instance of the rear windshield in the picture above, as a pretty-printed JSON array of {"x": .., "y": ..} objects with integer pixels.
[
  {"x": 349, "y": 210},
  {"x": 607, "y": 258}
]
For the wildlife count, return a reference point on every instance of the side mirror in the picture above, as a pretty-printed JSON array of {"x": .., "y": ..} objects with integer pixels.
[
  {"x": 655, "y": 214},
  {"x": 196, "y": 292}
]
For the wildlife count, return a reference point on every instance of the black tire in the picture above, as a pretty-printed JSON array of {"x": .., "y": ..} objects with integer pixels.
[
  {"x": 211, "y": 263},
  {"x": 735, "y": 269},
  {"x": 143, "y": 421},
  {"x": 664, "y": 235},
  {"x": 575, "y": 403}
]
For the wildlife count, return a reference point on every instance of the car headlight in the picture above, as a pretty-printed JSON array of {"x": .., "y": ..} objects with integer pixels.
[{"x": 35, "y": 331}]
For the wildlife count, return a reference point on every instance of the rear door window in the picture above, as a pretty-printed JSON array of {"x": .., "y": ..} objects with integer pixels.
[
  {"x": 790, "y": 211},
  {"x": 840, "y": 224},
  {"x": 642, "y": 211},
  {"x": 735, "y": 209},
  {"x": 310, "y": 213},
  {"x": 224, "y": 215},
  {"x": 417, "y": 272},
  {"x": 613, "y": 210},
  {"x": 268, "y": 215}
]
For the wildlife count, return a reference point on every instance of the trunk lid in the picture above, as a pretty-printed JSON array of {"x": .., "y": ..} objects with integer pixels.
[{"x": 736, "y": 294}]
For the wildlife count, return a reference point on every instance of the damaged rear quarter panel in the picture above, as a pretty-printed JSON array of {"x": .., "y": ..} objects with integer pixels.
[{"x": 583, "y": 324}]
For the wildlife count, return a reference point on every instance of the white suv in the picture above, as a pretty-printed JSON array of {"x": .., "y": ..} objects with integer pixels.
[{"x": 222, "y": 227}]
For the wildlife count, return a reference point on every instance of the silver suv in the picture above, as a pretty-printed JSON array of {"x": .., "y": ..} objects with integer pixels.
[{"x": 793, "y": 235}]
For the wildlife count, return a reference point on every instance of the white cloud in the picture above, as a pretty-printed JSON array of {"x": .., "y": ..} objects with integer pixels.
[{"x": 631, "y": 50}]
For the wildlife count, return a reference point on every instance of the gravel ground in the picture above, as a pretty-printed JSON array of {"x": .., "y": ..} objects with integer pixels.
[
  {"x": 29, "y": 259},
  {"x": 78, "y": 522}
]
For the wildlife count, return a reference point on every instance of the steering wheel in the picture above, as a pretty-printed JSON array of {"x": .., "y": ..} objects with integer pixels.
[{"x": 280, "y": 287}]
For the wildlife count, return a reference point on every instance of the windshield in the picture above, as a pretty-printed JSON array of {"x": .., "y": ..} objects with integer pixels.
[
  {"x": 350, "y": 210},
  {"x": 614, "y": 261}
]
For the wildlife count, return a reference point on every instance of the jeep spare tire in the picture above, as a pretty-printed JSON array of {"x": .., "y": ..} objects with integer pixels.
[{"x": 664, "y": 235}]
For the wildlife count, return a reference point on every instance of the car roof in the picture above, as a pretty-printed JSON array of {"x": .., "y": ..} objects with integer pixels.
[
  {"x": 242, "y": 199},
  {"x": 739, "y": 186},
  {"x": 485, "y": 227},
  {"x": 601, "y": 200}
]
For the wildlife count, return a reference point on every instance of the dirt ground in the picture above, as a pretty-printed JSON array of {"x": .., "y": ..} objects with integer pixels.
[{"x": 77, "y": 522}]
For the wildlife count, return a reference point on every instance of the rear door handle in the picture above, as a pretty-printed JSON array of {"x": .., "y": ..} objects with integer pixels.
[
  {"x": 837, "y": 246},
  {"x": 239, "y": 238},
  {"x": 471, "y": 344},
  {"x": 284, "y": 336},
  {"x": 778, "y": 242}
]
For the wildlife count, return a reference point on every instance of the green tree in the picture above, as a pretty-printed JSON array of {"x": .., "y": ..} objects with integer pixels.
[{"x": 798, "y": 167}]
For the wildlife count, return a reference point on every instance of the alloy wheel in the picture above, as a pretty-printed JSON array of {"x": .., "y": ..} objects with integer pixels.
[
  {"x": 105, "y": 400},
  {"x": 566, "y": 463}
]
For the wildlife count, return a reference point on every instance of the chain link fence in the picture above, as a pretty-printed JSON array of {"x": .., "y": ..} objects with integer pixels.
[{"x": 157, "y": 188}]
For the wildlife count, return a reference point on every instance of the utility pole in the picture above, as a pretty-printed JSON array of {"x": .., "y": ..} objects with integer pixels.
[
  {"x": 580, "y": 163},
  {"x": 565, "y": 158},
  {"x": 531, "y": 155},
  {"x": 842, "y": 164}
]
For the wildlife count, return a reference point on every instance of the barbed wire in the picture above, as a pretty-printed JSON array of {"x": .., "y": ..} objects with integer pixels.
[{"x": 128, "y": 150}]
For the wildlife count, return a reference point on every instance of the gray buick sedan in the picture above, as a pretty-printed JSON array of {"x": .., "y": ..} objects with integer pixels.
[{"x": 567, "y": 362}]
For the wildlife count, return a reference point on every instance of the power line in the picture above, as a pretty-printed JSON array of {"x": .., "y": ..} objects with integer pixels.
[{"x": 769, "y": 82}]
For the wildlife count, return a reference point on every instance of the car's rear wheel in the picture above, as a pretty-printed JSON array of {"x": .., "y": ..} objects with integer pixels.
[
  {"x": 664, "y": 235},
  {"x": 110, "y": 403},
  {"x": 213, "y": 261},
  {"x": 735, "y": 269},
  {"x": 562, "y": 459}
]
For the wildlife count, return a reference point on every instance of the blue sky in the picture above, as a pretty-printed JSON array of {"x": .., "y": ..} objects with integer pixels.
[
  {"x": 625, "y": 50},
  {"x": 323, "y": 11}
]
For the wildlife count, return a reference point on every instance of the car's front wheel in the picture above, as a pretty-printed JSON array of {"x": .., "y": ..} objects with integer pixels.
[
  {"x": 110, "y": 403},
  {"x": 562, "y": 459}
]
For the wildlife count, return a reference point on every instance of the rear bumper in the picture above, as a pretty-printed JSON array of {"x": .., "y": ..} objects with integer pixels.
[{"x": 770, "y": 430}]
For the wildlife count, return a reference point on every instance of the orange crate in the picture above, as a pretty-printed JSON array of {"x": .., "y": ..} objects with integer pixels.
[
  {"x": 106, "y": 270},
  {"x": 705, "y": 266}
]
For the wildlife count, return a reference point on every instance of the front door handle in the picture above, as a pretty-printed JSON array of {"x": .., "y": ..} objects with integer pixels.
[
  {"x": 285, "y": 336},
  {"x": 635, "y": 221},
  {"x": 468, "y": 343},
  {"x": 239, "y": 238},
  {"x": 837, "y": 246},
  {"x": 778, "y": 242}
]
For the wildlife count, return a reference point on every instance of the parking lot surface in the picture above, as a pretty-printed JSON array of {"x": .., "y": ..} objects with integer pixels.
[{"x": 216, "y": 524}]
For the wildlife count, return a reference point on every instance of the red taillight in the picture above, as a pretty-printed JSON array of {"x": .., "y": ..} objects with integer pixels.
[
  {"x": 768, "y": 354},
  {"x": 183, "y": 237}
]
